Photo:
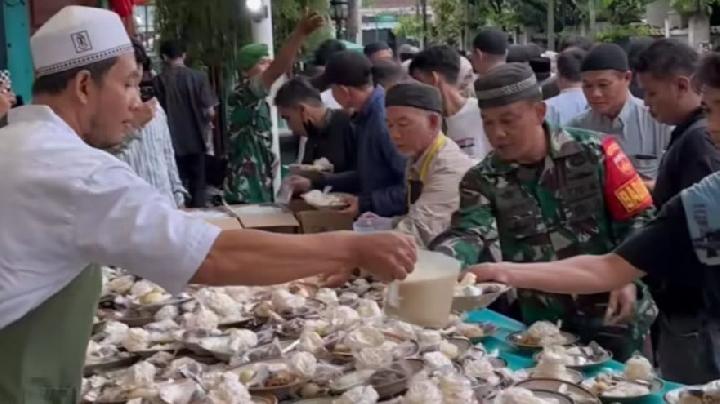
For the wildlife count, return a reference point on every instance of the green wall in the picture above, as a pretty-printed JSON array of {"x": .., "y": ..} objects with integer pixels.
[{"x": 16, "y": 26}]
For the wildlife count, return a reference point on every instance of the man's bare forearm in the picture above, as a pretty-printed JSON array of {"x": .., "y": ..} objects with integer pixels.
[
  {"x": 251, "y": 257},
  {"x": 581, "y": 274},
  {"x": 284, "y": 59}
]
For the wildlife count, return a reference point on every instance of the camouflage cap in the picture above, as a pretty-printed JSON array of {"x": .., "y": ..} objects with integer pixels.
[{"x": 506, "y": 84}]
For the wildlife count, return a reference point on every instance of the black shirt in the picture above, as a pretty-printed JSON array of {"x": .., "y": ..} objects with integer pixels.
[
  {"x": 186, "y": 96},
  {"x": 664, "y": 250},
  {"x": 691, "y": 155},
  {"x": 335, "y": 141}
]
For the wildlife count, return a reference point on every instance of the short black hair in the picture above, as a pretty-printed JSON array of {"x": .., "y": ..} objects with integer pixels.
[
  {"x": 708, "y": 73},
  {"x": 667, "y": 57},
  {"x": 172, "y": 49},
  {"x": 492, "y": 41},
  {"x": 442, "y": 59},
  {"x": 387, "y": 72},
  {"x": 295, "y": 91},
  {"x": 141, "y": 57},
  {"x": 576, "y": 41},
  {"x": 57, "y": 82},
  {"x": 348, "y": 68},
  {"x": 373, "y": 47},
  {"x": 326, "y": 49},
  {"x": 635, "y": 47},
  {"x": 523, "y": 53},
  {"x": 569, "y": 63}
]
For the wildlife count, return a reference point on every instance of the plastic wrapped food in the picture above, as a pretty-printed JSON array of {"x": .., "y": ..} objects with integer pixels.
[
  {"x": 303, "y": 363},
  {"x": 282, "y": 300},
  {"x": 422, "y": 390},
  {"x": 369, "y": 309},
  {"x": 241, "y": 339},
  {"x": 639, "y": 368},
  {"x": 429, "y": 338},
  {"x": 341, "y": 316},
  {"x": 358, "y": 395},
  {"x": 364, "y": 337},
  {"x": 456, "y": 389},
  {"x": 374, "y": 358},
  {"x": 519, "y": 395},
  {"x": 311, "y": 342},
  {"x": 436, "y": 360},
  {"x": 138, "y": 375},
  {"x": 136, "y": 339},
  {"x": 203, "y": 318},
  {"x": 230, "y": 391},
  {"x": 327, "y": 296}
]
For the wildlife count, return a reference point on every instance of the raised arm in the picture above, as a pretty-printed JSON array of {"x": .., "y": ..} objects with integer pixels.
[{"x": 286, "y": 55}]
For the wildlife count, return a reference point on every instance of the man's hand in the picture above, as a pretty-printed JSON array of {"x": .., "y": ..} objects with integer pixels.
[
  {"x": 5, "y": 103},
  {"x": 353, "y": 205},
  {"x": 299, "y": 184},
  {"x": 7, "y": 99},
  {"x": 621, "y": 305},
  {"x": 489, "y": 272},
  {"x": 309, "y": 23},
  {"x": 336, "y": 279},
  {"x": 387, "y": 255},
  {"x": 144, "y": 113}
]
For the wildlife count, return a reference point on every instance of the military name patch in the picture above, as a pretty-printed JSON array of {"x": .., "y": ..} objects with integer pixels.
[{"x": 632, "y": 195}]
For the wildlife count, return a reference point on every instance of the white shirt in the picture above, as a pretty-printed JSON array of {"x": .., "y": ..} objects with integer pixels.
[
  {"x": 562, "y": 108},
  {"x": 65, "y": 205},
  {"x": 466, "y": 129},
  {"x": 327, "y": 98}
]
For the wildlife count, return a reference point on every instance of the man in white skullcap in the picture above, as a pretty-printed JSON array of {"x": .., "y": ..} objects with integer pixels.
[{"x": 68, "y": 207}]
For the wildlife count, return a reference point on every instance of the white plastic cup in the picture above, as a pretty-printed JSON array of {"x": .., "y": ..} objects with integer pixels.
[{"x": 425, "y": 297}]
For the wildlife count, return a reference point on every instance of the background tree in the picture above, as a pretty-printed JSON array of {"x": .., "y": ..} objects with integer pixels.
[
  {"x": 689, "y": 7},
  {"x": 286, "y": 14}
]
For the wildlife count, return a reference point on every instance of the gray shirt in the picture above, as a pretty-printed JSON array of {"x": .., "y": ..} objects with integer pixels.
[{"x": 642, "y": 137}]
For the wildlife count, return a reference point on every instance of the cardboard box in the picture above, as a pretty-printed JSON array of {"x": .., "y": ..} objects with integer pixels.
[
  {"x": 227, "y": 223},
  {"x": 266, "y": 217},
  {"x": 319, "y": 221},
  {"x": 218, "y": 217}
]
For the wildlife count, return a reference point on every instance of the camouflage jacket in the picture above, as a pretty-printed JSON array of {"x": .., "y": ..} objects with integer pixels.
[
  {"x": 249, "y": 176},
  {"x": 553, "y": 210}
]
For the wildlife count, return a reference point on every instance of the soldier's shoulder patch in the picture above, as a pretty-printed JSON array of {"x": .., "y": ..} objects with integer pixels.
[{"x": 625, "y": 193}]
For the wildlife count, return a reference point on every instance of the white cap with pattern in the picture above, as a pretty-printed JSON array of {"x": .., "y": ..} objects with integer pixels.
[{"x": 78, "y": 36}]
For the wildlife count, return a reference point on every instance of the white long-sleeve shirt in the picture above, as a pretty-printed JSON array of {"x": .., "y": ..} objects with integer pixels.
[{"x": 65, "y": 205}]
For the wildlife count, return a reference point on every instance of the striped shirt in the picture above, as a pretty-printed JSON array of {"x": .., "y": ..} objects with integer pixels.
[
  {"x": 149, "y": 152},
  {"x": 642, "y": 137}
]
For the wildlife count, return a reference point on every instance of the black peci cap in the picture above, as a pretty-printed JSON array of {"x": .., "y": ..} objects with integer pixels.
[{"x": 606, "y": 56}]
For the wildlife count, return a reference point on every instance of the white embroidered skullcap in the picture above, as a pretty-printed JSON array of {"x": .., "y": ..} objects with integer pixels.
[{"x": 77, "y": 36}]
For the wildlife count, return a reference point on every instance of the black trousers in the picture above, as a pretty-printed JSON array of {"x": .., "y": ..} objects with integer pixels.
[{"x": 191, "y": 168}]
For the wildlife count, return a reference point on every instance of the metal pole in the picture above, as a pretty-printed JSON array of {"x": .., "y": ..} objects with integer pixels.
[
  {"x": 262, "y": 33},
  {"x": 551, "y": 25},
  {"x": 424, "y": 23}
]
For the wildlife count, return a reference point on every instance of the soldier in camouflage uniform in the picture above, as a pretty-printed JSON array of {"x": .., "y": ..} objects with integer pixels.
[
  {"x": 546, "y": 194},
  {"x": 251, "y": 160}
]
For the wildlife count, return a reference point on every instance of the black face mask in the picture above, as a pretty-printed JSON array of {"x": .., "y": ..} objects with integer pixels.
[{"x": 310, "y": 129}]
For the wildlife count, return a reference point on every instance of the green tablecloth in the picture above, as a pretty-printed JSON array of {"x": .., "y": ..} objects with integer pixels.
[{"x": 519, "y": 360}]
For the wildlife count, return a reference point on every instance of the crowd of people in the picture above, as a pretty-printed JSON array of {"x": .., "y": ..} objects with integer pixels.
[
  {"x": 549, "y": 157},
  {"x": 543, "y": 172}
]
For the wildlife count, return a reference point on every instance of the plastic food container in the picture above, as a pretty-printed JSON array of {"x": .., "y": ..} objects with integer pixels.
[{"x": 425, "y": 296}]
